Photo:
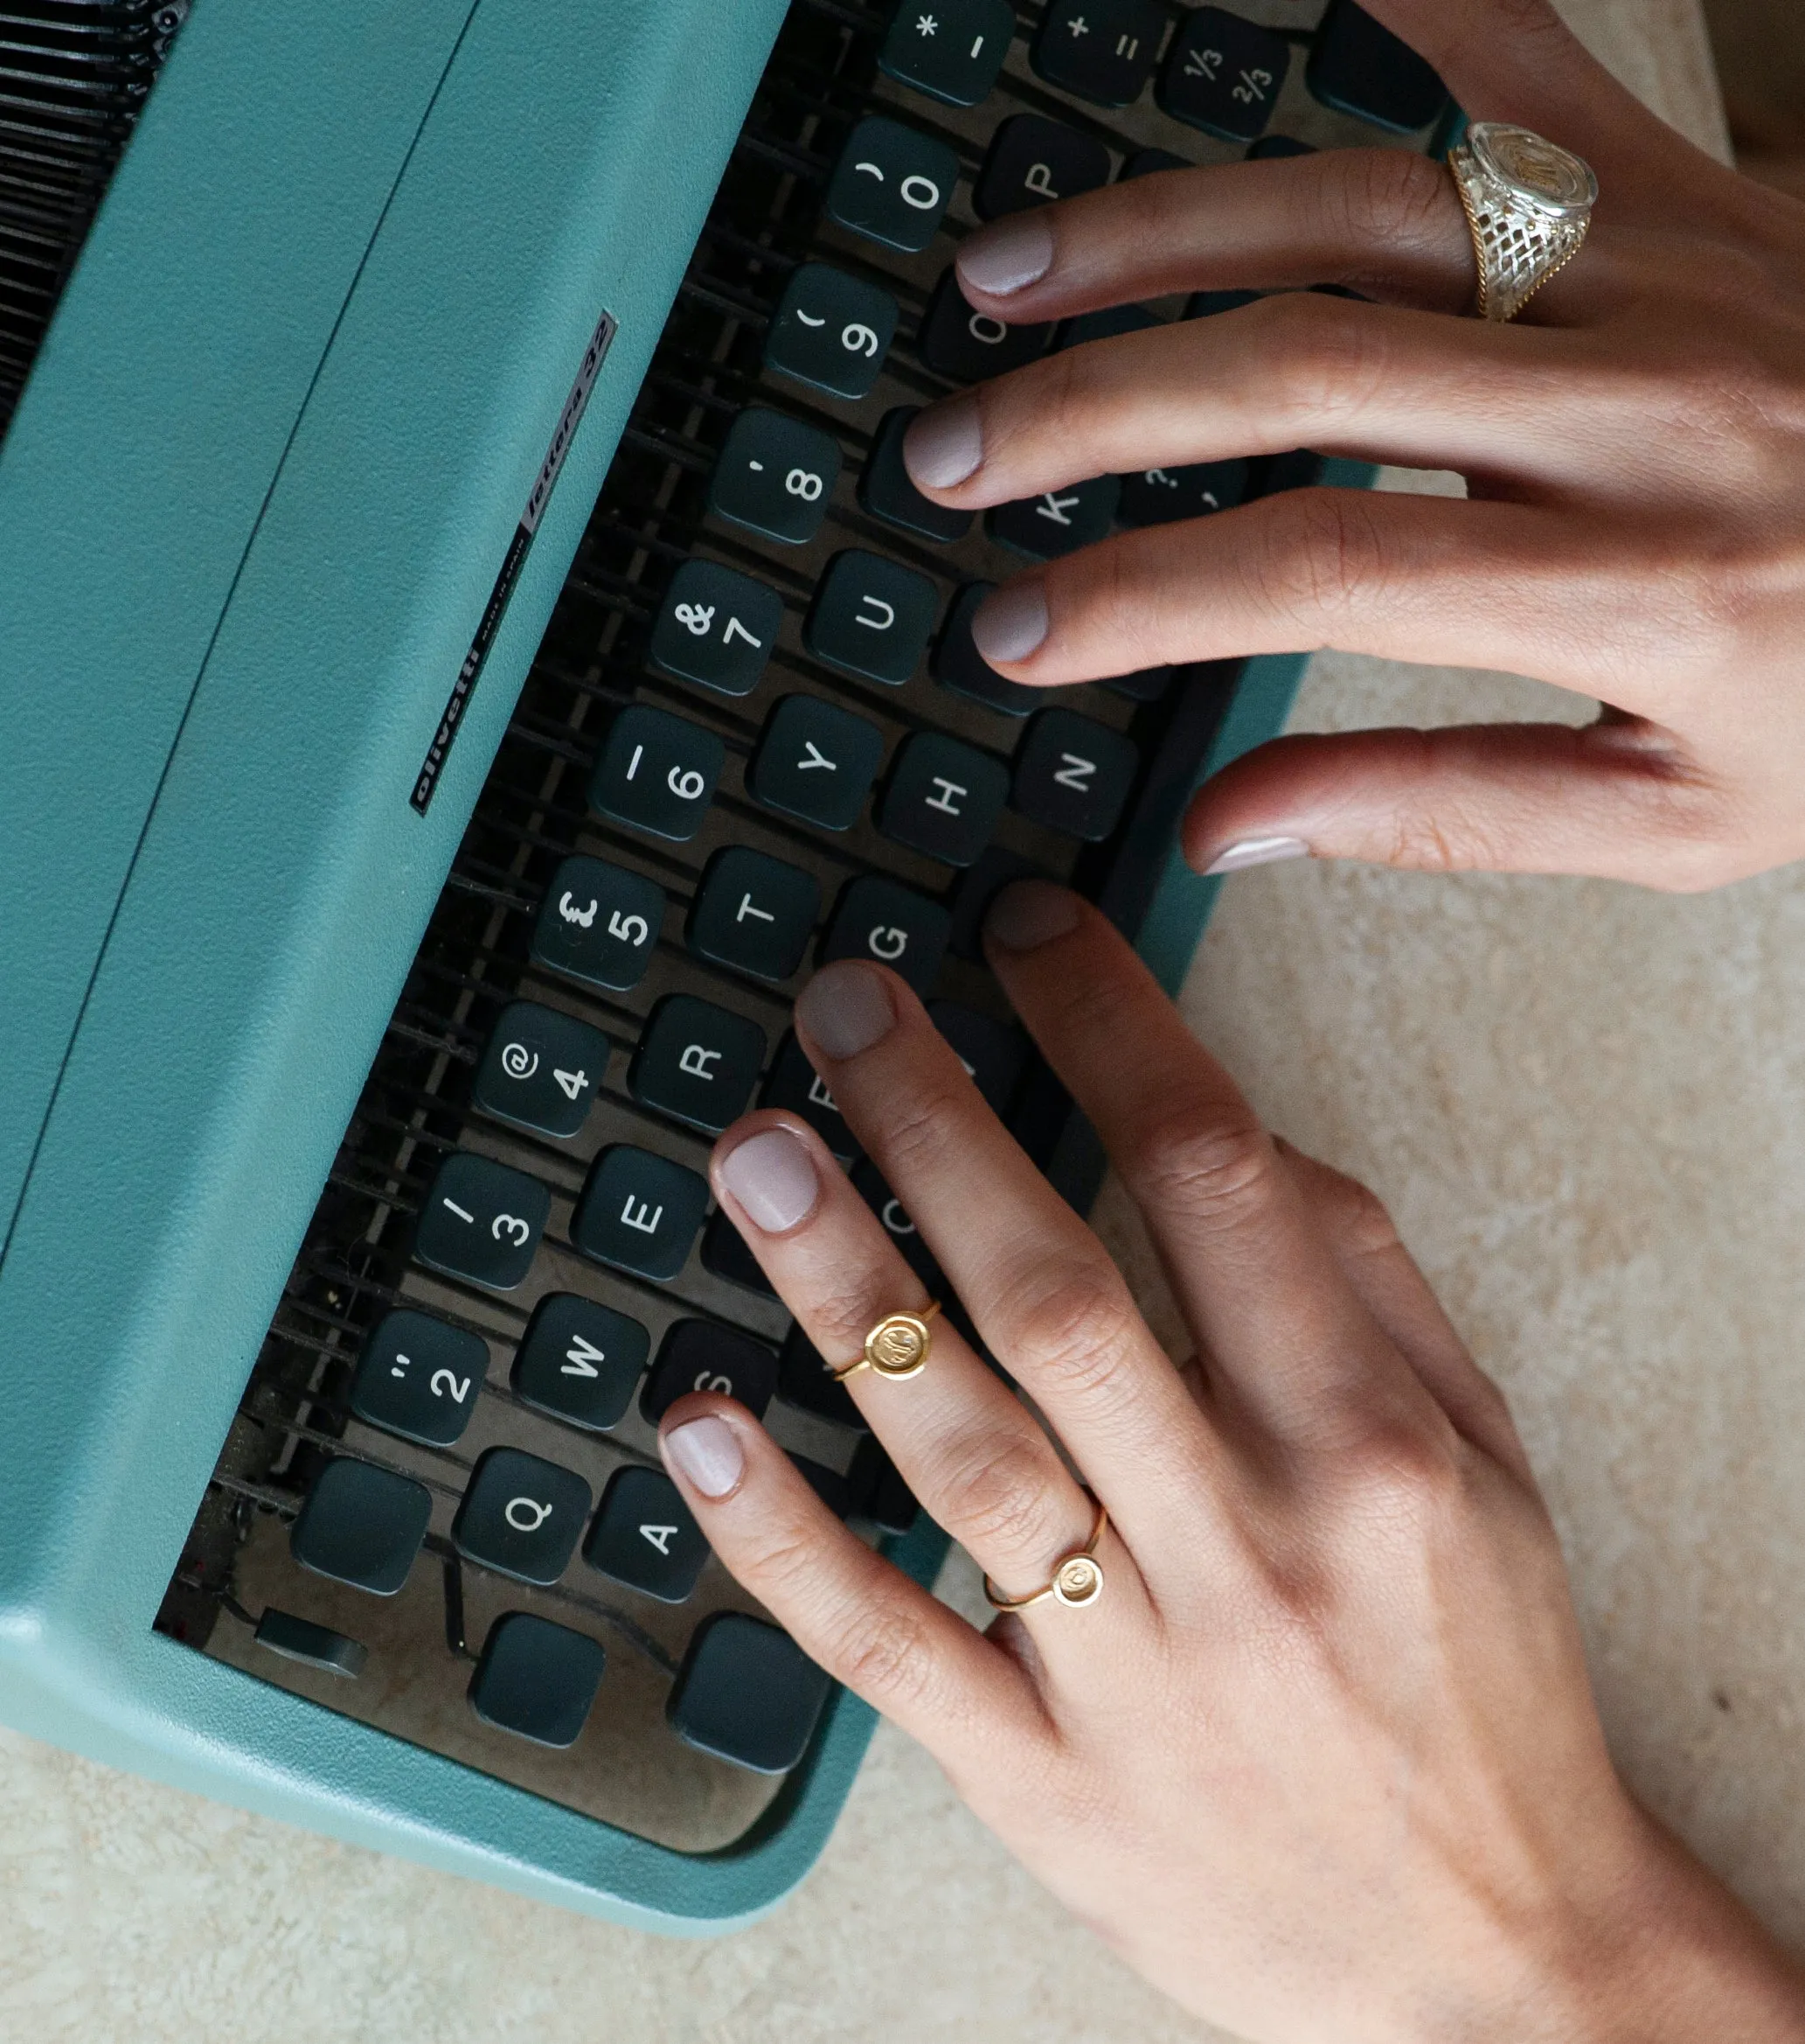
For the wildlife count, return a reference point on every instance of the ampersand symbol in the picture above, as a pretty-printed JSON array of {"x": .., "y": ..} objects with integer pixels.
[{"x": 696, "y": 617}]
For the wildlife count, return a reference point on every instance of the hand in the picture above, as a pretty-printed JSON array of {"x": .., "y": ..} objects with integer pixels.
[
  {"x": 1321, "y": 1760},
  {"x": 1634, "y": 449}
]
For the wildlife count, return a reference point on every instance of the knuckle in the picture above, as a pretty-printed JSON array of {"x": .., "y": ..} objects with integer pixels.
[
  {"x": 1204, "y": 1162},
  {"x": 1399, "y": 1482},
  {"x": 1327, "y": 361},
  {"x": 998, "y": 1495},
  {"x": 880, "y": 1648},
  {"x": 1075, "y": 1324},
  {"x": 1319, "y": 552},
  {"x": 1381, "y": 196},
  {"x": 921, "y": 1128}
]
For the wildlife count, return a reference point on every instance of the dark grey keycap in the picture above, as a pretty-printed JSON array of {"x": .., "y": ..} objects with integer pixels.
[
  {"x": 871, "y": 616},
  {"x": 877, "y": 918},
  {"x": 1061, "y": 522},
  {"x": 951, "y": 49},
  {"x": 1161, "y": 496},
  {"x": 1207, "y": 304},
  {"x": 994, "y": 1053},
  {"x": 656, "y": 772},
  {"x": 724, "y": 1254},
  {"x": 966, "y": 347},
  {"x": 891, "y": 183},
  {"x": 753, "y": 913},
  {"x": 878, "y": 1493},
  {"x": 747, "y": 1694},
  {"x": 702, "y": 1355},
  {"x": 314, "y": 1646},
  {"x": 1358, "y": 67},
  {"x": 868, "y": 1182},
  {"x": 639, "y": 1212},
  {"x": 696, "y": 1063},
  {"x": 1032, "y": 161},
  {"x": 645, "y": 1536},
  {"x": 1223, "y": 74},
  {"x": 521, "y": 1516},
  {"x": 1270, "y": 146},
  {"x": 827, "y": 1484},
  {"x": 831, "y": 331},
  {"x": 537, "y": 1679},
  {"x": 803, "y": 1378},
  {"x": 716, "y": 626},
  {"x": 598, "y": 923},
  {"x": 1103, "y": 51},
  {"x": 541, "y": 1068},
  {"x": 958, "y": 664},
  {"x": 816, "y": 760},
  {"x": 943, "y": 797},
  {"x": 1107, "y": 325},
  {"x": 979, "y": 886},
  {"x": 362, "y": 1525},
  {"x": 796, "y": 1087},
  {"x": 1073, "y": 775},
  {"x": 1145, "y": 161},
  {"x": 482, "y": 1221},
  {"x": 1146, "y": 684},
  {"x": 580, "y": 1360},
  {"x": 419, "y": 1377},
  {"x": 774, "y": 476},
  {"x": 885, "y": 491}
]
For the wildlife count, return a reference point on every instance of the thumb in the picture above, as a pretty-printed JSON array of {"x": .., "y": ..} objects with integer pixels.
[{"x": 1613, "y": 800}]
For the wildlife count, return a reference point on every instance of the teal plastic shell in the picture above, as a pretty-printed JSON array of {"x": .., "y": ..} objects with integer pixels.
[{"x": 251, "y": 508}]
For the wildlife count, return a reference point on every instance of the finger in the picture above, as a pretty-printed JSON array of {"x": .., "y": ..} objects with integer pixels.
[
  {"x": 1365, "y": 1243},
  {"x": 1488, "y": 585},
  {"x": 1299, "y": 369},
  {"x": 1042, "y": 1291},
  {"x": 1517, "y": 60},
  {"x": 1285, "y": 1332},
  {"x": 1382, "y": 221},
  {"x": 847, "y": 1608},
  {"x": 1615, "y": 800},
  {"x": 979, "y": 1462}
]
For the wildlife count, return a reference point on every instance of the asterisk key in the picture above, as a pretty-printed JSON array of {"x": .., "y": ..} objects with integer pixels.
[{"x": 927, "y": 25}]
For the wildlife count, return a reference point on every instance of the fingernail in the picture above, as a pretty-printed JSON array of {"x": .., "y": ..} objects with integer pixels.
[
  {"x": 1028, "y": 914},
  {"x": 846, "y": 1009},
  {"x": 1256, "y": 851},
  {"x": 1010, "y": 621},
  {"x": 706, "y": 1451},
  {"x": 1017, "y": 250},
  {"x": 771, "y": 1175},
  {"x": 944, "y": 444}
]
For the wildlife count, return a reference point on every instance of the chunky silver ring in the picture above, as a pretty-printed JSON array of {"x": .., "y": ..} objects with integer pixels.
[{"x": 1528, "y": 203}]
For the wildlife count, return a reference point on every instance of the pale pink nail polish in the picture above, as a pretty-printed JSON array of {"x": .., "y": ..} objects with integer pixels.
[
  {"x": 772, "y": 1175},
  {"x": 707, "y": 1451},
  {"x": 1247, "y": 852}
]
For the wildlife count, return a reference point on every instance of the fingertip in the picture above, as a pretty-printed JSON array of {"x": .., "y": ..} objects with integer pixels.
[
  {"x": 702, "y": 1450},
  {"x": 770, "y": 1174},
  {"x": 1011, "y": 624}
]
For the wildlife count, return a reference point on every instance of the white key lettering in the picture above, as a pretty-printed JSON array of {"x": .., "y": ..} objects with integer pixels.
[
  {"x": 526, "y": 1514},
  {"x": 734, "y": 625},
  {"x": 1055, "y": 507},
  {"x": 571, "y": 1082},
  {"x": 580, "y": 1358},
  {"x": 815, "y": 757},
  {"x": 944, "y": 801},
  {"x": 883, "y": 614},
  {"x": 510, "y": 1228},
  {"x": 459, "y": 1212},
  {"x": 661, "y": 1537},
  {"x": 1076, "y": 773},
  {"x": 747, "y": 909},
  {"x": 921, "y": 192},
  {"x": 444, "y": 1385},
  {"x": 571, "y": 913},
  {"x": 640, "y": 1216},
  {"x": 686, "y": 786},
  {"x": 1039, "y": 181},
  {"x": 695, "y": 1060},
  {"x": 888, "y": 942}
]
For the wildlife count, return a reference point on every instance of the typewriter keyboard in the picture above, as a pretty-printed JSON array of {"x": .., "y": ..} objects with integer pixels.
[{"x": 757, "y": 736}]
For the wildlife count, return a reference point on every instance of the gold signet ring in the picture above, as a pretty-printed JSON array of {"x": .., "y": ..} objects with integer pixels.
[
  {"x": 1078, "y": 1578},
  {"x": 898, "y": 1346}
]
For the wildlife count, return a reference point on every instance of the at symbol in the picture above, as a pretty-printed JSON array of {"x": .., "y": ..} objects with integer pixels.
[{"x": 518, "y": 1062}]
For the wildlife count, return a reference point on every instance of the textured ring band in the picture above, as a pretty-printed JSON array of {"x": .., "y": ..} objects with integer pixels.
[
  {"x": 1077, "y": 1580},
  {"x": 1528, "y": 203},
  {"x": 898, "y": 1346}
]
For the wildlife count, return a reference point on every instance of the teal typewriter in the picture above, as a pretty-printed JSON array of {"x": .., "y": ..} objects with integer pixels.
[{"x": 468, "y": 646}]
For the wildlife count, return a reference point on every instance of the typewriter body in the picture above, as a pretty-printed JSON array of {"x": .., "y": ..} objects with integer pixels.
[{"x": 467, "y": 649}]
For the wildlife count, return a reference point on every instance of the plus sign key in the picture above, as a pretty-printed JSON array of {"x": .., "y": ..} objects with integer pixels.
[
  {"x": 1103, "y": 51},
  {"x": 951, "y": 49}
]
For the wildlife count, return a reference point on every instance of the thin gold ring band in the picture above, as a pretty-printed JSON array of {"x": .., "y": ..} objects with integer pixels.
[
  {"x": 1077, "y": 1578},
  {"x": 898, "y": 1346}
]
